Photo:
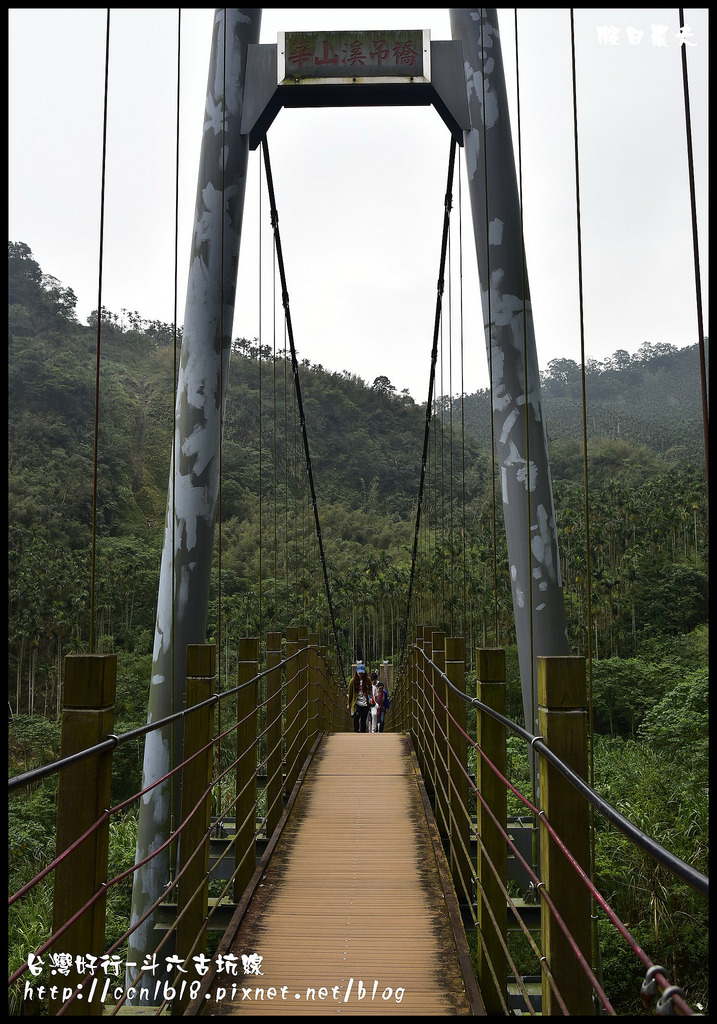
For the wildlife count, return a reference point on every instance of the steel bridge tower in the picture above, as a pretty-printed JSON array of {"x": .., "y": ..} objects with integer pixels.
[{"x": 248, "y": 84}]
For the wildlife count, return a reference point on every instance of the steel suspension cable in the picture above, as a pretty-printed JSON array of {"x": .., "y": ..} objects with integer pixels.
[
  {"x": 286, "y": 469},
  {"x": 261, "y": 491},
  {"x": 586, "y": 489},
  {"x": 434, "y": 353},
  {"x": 696, "y": 254},
  {"x": 490, "y": 358},
  {"x": 297, "y": 391},
  {"x": 174, "y": 388},
  {"x": 435, "y": 514},
  {"x": 464, "y": 547},
  {"x": 450, "y": 441},
  {"x": 297, "y": 493},
  {"x": 221, "y": 356},
  {"x": 440, "y": 505},
  {"x": 221, "y": 392},
  {"x": 99, "y": 334},
  {"x": 260, "y": 620},
  {"x": 581, "y": 314},
  {"x": 275, "y": 455},
  {"x": 528, "y": 512}
]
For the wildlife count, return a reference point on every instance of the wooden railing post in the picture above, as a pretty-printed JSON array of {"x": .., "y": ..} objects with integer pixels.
[
  {"x": 322, "y": 721},
  {"x": 312, "y": 703},
  {"x": 428, "y": 721},
  {"x": 322, "y": 691},
  {"x": 411, "y": 695},
  {"x": 417, "y": 713},
  {"x": 492, "y": 846},
  {"x": 340, "y": 717},
  {"x": 340, "y": 720},
  {"x": 386, "y": 673},
  {"x": 84, "y": 791},
  {"x": 274, "y": 765},
  {"x": 459, "y": 820},
  {"x": 245, "y": 812},
  {"x": 291, "y": 713},
  {"x": 562, "y": 724},
  {"x": 393, "y": 724},
  {"x": 326, "y": 688},
  {"x": 392, "y": 721},
  {"x": 440, "y": 747},
  {"x": 303, "y": 709},
  {"x": 196, "y": 797}
]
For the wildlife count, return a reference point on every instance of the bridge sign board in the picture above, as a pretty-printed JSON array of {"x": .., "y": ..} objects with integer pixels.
[
  {"x": 385, "y": 67},
  {"x": 347, "y": 57}
]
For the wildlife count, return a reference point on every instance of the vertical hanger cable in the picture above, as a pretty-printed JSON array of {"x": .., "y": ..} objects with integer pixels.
[{"x": 99, "y": 335}]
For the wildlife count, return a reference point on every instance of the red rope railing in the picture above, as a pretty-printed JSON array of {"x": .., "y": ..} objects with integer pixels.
[
  {"x": 294, "y": 712},
  {"x": 298, "y": 712},
  {"x": 420, "y": 695}
]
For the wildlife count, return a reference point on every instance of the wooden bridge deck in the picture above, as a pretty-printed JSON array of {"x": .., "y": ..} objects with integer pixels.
[{"x": 353, "y": 912}]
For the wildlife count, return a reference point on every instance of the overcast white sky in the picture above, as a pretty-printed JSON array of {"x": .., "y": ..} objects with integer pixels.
[{"x": 360, "y": 192}]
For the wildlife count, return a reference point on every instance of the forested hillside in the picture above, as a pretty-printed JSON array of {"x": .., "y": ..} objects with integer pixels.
[
  {"x": 646, "y": 513},
  {"x": 646, "y": 517},
  {"x": 651, "y": 399}
]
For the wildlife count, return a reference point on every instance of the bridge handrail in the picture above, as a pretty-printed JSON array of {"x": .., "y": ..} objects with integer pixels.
[
  {"x": 333, "y": 695},
  {"x": 656, "y": 976},
  {"x": 685, "y": 871},
  {"x": 113, "y": 741}
]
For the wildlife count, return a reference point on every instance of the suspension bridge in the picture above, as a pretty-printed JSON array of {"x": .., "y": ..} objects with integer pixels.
[{"x": 285, "y": 863}]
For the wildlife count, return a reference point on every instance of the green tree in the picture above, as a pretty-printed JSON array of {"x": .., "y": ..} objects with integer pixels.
[
  {"x": 678, "y": 725},
  {"x": 664, "y": 915}
]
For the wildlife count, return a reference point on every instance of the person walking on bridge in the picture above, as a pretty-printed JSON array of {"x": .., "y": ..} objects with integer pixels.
[
  {"x": 380, "y": 699},
  {"x": 373, "y": 721},
  {"x": 359, "y": 697}
]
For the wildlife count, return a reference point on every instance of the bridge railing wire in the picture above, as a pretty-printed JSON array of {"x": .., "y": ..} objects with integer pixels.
[
  {"x": 309, "y": 701},
  {"x": 452, "y": 830},
  {"x": 423, "y": 708},
  {"x": 450, "y": 826}
]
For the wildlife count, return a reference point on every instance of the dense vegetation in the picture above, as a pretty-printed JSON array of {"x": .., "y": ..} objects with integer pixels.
[{"x": 646, "y": 519}]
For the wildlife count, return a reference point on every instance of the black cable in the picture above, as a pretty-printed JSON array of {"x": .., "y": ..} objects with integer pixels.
[
  {"x": 696, "y": 256},
  {"x": 429, "y": 402},
  {"x": 297, "y": 388},
  {"x": 95, "y": 462}
]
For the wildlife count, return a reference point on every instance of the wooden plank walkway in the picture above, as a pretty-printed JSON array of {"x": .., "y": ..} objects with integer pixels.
[{"x": 349, "y": 915}]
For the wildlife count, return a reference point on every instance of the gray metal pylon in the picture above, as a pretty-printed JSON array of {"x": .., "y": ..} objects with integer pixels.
[
  {"x": 519, "y": 427},
  {"x": 183, "y": 597}
]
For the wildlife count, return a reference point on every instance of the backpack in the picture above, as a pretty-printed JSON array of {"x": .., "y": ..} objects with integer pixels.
[{"x": 386, "y": 701}]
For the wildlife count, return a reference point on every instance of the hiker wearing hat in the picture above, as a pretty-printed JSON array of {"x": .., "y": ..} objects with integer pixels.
[{"x": 359, "y": 697}]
